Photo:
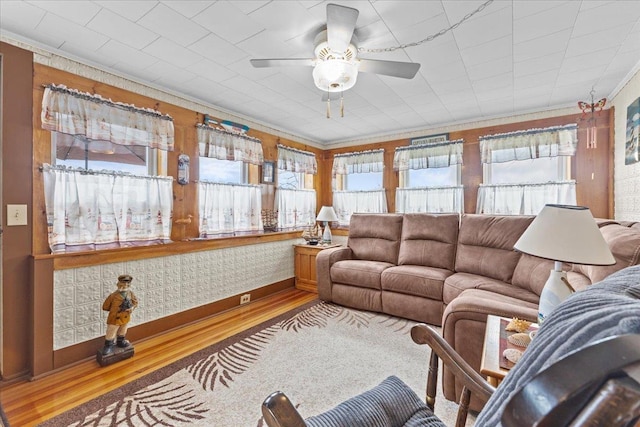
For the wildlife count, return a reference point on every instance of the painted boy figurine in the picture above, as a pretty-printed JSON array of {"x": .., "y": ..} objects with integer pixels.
[{"x": 119, "y": 304}]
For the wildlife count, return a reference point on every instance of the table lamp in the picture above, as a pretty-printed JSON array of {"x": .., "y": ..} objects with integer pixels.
[
  {"x": 326, "y": 214},
  {"x": 563, "y": 233}
]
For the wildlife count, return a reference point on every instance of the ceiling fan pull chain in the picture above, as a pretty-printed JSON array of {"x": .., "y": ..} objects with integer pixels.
[
  {"x": 341, "y": 104},
  {"x": 328, "y": 105},
  {"x": 431, "y": 37}
]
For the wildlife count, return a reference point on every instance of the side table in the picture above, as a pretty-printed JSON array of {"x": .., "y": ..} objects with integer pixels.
[
  {"x": 305, "y": 266},
  {"x": 490, "y": 364}
]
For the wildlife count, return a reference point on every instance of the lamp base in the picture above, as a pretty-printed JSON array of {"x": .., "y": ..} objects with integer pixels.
[
  {"x": 326, "y": 236},
  {"x": 554, "y": 292}
]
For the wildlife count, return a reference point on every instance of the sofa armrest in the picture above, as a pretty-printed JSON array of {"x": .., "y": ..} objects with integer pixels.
[{"x": 324, "y": 260}]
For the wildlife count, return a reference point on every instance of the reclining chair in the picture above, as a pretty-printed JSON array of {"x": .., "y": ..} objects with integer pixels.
[{"x": 582, "y": 368}]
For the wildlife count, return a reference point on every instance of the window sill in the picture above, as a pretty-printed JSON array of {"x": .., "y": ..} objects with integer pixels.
[{"x": 63, "y": 261}]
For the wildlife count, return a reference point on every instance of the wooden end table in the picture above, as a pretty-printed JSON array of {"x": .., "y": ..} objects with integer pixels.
[
  {"x": 490, "y": 364},
  {"x": 491, "y": 354},
  {"x": 305, "y": 265}
]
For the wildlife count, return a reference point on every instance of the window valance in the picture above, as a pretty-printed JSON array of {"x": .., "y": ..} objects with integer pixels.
[
  {"x": 93, "y": 117},
  {"x": 293, "y": 160},
  {"x": 529, "y": 144},
  {"x": 224, "y": 145},
  {"x": 358, "y": 162},
  {"x": 439, "y": 155}
]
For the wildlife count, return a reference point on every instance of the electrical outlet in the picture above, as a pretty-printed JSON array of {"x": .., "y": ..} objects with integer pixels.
[{"x": 245, "y": 298}]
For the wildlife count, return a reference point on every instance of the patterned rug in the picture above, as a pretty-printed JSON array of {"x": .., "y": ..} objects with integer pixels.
[{"x": 319, "y": 355}]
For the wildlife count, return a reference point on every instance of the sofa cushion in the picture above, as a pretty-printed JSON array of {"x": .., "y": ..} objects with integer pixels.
[
  {"x": 624, "y": 243},
  {"x": 357, "y": 272},
  {"x": 457, "y": 283},
  {"x": 531, "y": 273},
  {"x": 375, "y": 237},
  {"x": 429, "y": 240},
  {"x": 415, "y": 280},
  {"x": 485, "y": 245}
]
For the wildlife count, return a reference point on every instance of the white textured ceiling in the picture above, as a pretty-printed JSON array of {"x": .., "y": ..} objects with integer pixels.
[{"x": 513, "y": 57}]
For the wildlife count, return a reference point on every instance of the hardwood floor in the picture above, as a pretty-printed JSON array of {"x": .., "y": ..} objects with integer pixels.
[{"x": 29, "y": 403}]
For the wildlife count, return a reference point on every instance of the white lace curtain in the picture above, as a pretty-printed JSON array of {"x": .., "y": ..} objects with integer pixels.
[
  {"x": 524, "y": 199},
  {"x": 229, "y": 209},
  {"x": 87, "y": 211},
  {"x": 529, "y": 144},
  {"x": 346, "y": 203},
  {"x": 224, "y": 145},
  {"x": 293, "y": 160},
  {"x": 358, "y": 162},
  {"x": 428, "y": 156},
  {"x": 296, "y": 208},
  {"x": 430, "y": 199},
  {"x": 96, "y": 118}
]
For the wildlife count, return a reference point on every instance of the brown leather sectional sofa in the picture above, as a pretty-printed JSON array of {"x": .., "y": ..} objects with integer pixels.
[{"x": 452, "y": 271}]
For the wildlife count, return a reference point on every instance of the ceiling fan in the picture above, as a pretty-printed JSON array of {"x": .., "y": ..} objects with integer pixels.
[{"x": 336, "y": 63}]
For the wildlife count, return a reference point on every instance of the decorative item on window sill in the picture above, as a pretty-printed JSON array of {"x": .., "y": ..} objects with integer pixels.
[
  {"x": 312, "y": 234},
  {"x": 269, "y": 220},
  {"x": 589, "y": 114}
]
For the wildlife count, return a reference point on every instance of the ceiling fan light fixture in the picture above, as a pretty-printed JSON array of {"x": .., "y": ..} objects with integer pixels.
[{"x": 335, "y": 75}]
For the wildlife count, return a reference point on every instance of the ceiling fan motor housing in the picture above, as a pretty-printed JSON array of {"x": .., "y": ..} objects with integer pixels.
[{"x": 334, "y": 71}]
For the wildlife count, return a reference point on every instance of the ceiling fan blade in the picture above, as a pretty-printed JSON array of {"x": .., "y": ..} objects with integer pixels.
[
  {"x": 282, "y": 62},
  {"x": 341, "y": 21},
  {"x": 405, "y": 70}
]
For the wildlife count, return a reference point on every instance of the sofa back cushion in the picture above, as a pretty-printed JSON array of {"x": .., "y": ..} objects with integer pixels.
[
  {"x": 485, "y": 244},
  {"x": 624, "y": 244},
  {"x": 429, "y": 240},
  {"x": 375, "y": 237},
  {"x": 531, "y": 273}
]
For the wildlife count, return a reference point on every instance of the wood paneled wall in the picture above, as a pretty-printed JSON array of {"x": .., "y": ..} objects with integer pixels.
[
  {"x": 591, "y": 168},
  {"x": 17, "y": 69}
]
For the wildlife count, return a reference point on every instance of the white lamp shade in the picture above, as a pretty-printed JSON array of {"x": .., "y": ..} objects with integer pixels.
[
  {"x": 327, "y": 214},
  {"x": 567, "y": 234},
  {"x": 335, "y": 75}
]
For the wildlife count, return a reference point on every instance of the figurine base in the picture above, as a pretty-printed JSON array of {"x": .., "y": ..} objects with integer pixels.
[{"x": 117, "y": 355}]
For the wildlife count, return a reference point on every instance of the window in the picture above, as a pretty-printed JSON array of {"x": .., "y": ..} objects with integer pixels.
[
  {"x": 358, "y": 184},
  {"x": 365, "y": 181},
  {"x": 295, "y": 198},
  {"x": 223, "y": 171},
  {"x": 542, "y": 169},
  {"x": 523, "y": 171},
  {"x": 429, "y": 177},
  {"x": 292, "y": 180},
  {"x": 88, "y": 206},
  {"x": 226, "y": 204},
  {"x": 77, "y": 152}
]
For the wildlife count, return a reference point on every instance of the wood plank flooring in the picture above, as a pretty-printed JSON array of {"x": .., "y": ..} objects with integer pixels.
[{"x": 29, "y": 403}]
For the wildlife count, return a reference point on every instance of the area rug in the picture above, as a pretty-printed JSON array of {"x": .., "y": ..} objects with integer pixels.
[{"x": 319, "y": 355}]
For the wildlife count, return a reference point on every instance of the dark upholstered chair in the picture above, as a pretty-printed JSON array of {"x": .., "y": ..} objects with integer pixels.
[{"x": 583, "y": 368}]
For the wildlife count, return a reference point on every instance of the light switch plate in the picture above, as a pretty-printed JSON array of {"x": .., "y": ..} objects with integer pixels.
[{"x": 16, "y": 215}]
